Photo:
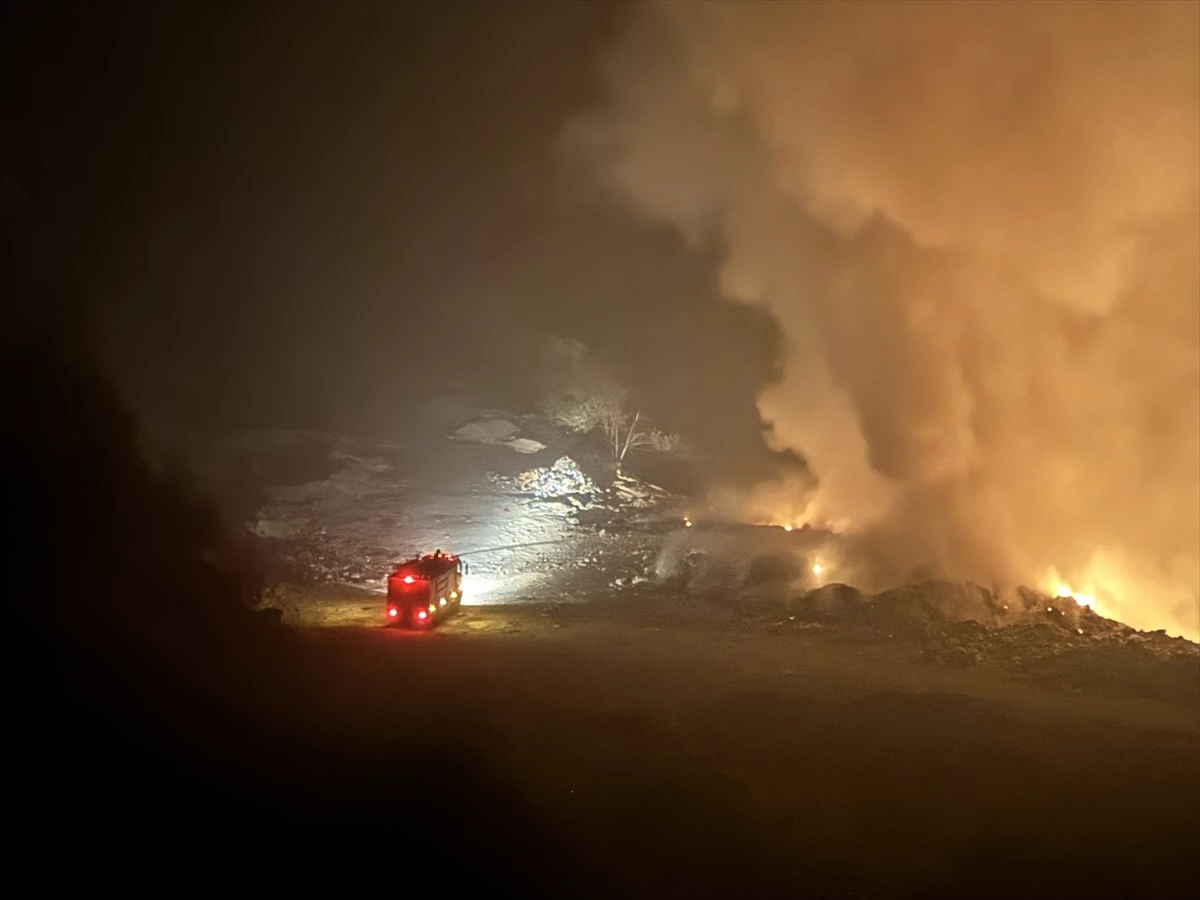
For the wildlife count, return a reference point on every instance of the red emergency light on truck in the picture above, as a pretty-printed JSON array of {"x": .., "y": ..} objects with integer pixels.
[{"x": 424, "y": 590}]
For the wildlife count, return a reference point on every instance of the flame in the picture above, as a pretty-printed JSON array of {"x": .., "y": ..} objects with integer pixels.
[
  {"x": 1110, "y": 583},
  {"x": 1118, "y": 588},
  {"x": 1056, "y": 587}
]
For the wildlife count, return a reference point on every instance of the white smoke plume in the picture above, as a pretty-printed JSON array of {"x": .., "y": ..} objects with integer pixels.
[{"x": 979, "y": 227}]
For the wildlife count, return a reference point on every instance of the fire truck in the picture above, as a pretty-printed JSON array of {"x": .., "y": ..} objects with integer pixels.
[{"x": 425, "y": 590}]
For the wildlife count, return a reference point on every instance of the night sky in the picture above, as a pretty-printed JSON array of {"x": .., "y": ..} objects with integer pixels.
[{"x": 305, "y": 214}]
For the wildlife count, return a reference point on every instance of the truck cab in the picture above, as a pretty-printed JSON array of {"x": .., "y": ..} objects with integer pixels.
[{"x": 424, "y": 590}]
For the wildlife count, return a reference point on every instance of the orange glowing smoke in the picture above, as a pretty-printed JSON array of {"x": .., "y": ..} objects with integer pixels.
[{"x": 978, "y": 225}]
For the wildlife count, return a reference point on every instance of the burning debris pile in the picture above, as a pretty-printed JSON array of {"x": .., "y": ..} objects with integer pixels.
[
  {"x": 967, "y": 623},
  {"x": 1103, "y": 655},
  {"x": 1047, "y": 627},
  {"x": 969, "y": 643},
  {"x": 1033, "y": 637}
]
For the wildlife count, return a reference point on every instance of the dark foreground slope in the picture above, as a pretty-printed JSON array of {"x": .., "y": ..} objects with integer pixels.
[
  {"x": 163, "y": 735},
  {"x": 714, "y": 759}
]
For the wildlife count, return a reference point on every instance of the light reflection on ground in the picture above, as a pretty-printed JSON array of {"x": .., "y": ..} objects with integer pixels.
[{"x": 487, "y": 590}]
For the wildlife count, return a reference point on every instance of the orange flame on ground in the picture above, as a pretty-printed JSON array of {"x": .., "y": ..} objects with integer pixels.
[{"x": 1116, "y": 589}]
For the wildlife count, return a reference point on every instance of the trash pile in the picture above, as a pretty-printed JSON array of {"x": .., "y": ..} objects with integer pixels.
[
  {"x": 637, "y": 494},
  {"x": 969, "y": 643},
  {"x": 562, "y": 479},
  {"x": 1047, "y": 641},
  {"x": 1101, "y": 656}
]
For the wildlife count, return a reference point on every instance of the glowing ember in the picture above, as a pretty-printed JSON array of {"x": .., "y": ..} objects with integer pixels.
[{"x": 1141, "y": 596}]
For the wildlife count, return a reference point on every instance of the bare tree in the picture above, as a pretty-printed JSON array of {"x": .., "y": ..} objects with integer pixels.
[
  {"x": 590, "y": 398},
  {"x": 625, "y": 434}
]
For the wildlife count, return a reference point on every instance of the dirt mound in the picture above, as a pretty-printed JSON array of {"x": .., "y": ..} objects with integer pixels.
[
  {"x": 910, "y": 612},
  {"x": 830, "y": 601},
  {"x": 1035, "y": 638},
  {"x": 1071, "y": 648},
  {"x": 486, "y": 431},
  {"x": 525, "y": 445}
]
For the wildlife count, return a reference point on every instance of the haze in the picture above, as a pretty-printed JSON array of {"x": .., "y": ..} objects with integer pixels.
[
  {"x": 966, "y": 235},
  {"x": 978, "y": 226},
  {"x": 607, "y": 449}
]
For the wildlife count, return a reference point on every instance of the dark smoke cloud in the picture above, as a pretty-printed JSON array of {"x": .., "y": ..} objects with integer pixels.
[{"x": 978, "y": 227}]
